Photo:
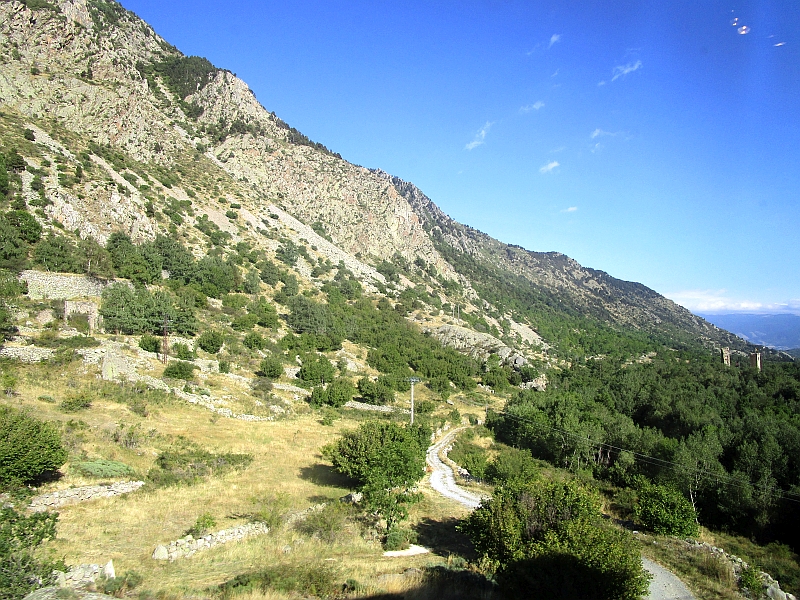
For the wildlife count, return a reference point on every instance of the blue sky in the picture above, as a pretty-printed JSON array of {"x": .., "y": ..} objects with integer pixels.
[{"x": 659, "y": 142}]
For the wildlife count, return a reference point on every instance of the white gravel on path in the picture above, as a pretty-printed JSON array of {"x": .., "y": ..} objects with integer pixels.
[
  {"x": 664, "y": 585},
  {"x": 442, "y": 478}
]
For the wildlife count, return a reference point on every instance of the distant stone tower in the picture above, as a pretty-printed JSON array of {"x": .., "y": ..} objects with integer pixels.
[
  {"x": 755, "y": 360},
  {"x": 726, "y": 356}
]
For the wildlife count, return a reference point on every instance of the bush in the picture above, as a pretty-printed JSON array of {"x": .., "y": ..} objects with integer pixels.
[
  {"x": 182, "y": 352},
  {"x": 29, "y": 448},
  {"x": 21, "y": 571},
  {"x": 326, "y": 524},
  {"x": 119, "y": 586},
  {"x": 512, "y": 466},
  {"x": 305, "y": 579},
  {"x": 201, "y": 526},
  {"x": 666, "y": 511},
  {"x": 102, "y": 468},
  {"x": 211, "y": 341},
  {"x": 254, "y": 341},
  {"x": 178, "y": 369},
  {"x": 187, "y": 463},
  {"x": 150, "y": 343},
  {"x": 398, "y": 539},
  {"x": 271, "y": 367},
  {"x": 75, "y": 403}
]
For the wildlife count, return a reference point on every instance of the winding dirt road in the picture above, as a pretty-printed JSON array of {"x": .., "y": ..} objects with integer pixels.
[{"x": 664, "y": 585}]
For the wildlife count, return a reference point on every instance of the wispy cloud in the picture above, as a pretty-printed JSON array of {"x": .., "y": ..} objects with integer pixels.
[
  {"x": 556, "y": 37},
  {"x": 480, "y": 137},
  {"x": 718, "y": 301},
  {"x": 549, "y": 167},
  {"x": 622, "y": 70},
  {"x": 600, "y": 133},
  {"x": 570, "y": 209},
  {"x": 529, "y": 107}
]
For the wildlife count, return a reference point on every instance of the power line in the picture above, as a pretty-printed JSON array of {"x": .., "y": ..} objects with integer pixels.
[{"x": 655, "y": 461}]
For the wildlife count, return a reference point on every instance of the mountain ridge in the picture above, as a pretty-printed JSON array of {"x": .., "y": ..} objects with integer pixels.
[{"x": 119, "y": 100}]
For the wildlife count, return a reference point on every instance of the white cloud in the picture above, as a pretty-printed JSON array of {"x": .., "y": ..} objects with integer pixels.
[
  {"x": 556, "y": 37},
  {"x": 622, "y": 70},
  {"x": 600, "y": 133},
  {"x": 529, "y": 107},
  {"x": 480, "y": 137},
  {"x": 570, "y": 209},
  {"x": 549, "y": 167},
  {"x": 718, "y": 301},
  {"x": 599, "y": 83}
]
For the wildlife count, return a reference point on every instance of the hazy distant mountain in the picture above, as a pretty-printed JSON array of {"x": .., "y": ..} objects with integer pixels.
[{"x": 780, "y": 331}]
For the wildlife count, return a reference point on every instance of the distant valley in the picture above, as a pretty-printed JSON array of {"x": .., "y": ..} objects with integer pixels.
[{"x": 781, "y": 331}]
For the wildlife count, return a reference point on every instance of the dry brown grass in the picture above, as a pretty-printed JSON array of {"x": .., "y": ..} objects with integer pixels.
[{"x": 286, "y": 463}]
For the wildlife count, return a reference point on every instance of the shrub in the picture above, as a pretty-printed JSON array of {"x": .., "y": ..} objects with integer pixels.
[
  {"x": 102, "y": 468},
  {"x": 398, "y": 538},
  {"x": 211, "y": 341},
  {"x": 201, "y": 526},
  {"x": 182, "y": 352},
  {"x": 29, "y": 448},
  {"x": 76, "y": 402},
  {"x": 187, "y": 463},
  {"x": 21, "y": 571},
  {"x": 303, "y": 579},
  {"x": 150, "y": 343},
  {"x": 119, "y": 586},
  {"x": 254, "y": 341},
  {"x": 271, "y": 367},
  {"x": 224, "y": 366},
  {"x": 326, "y": 524},
  {"x": 666, "y": 511},
  {"x": 178, "y": 369},
  {"x": 512, "y": 466}
]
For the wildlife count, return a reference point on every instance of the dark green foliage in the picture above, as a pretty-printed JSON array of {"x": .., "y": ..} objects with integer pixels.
[
  {"x": 141, "y": 264},
  {"x": 378, "y": 392},
  {"x": 339, "y": 391},
  {"x": 254, "y": 341},
  {"x": 269, "y": 272},
  {"x": 102, "y": 468},
  {"x": 316, "y": 369},
  {"x": 470, "y": 456},
  {"x": 13, "y": 249},
  {"x": 723, "y": 436},
  {"x": 264, "y": 313},
  {"x": 317, "y": 580},
  {"x": 184, "y": 75},
  {"x": 25, "y": 223},
  {"x": 182, "y": 352},
  {"x": 132, "y": 311},
  {"x": 547, "y": 541},
  {"x": 58, "y": 253},
  {"x": 29, "y": 448},
  {"x": 288, "y": 253},
  {"x": 398, "y": 539},
  {"x": 271, "y": 367},
  {"x": 187, "y": 463},
  {"x": 150, "y": 343},
  {"x": 295, "y": 137},
  {"x": 179, "y": 369},
  {"x": 386, "y": 460},
  {"x": 21, "y": 571},
  {"x": 211, "y": 341},
  {"x": 216, "y": 236},
  {"x": 512, "y": 466},
  {"x": 75, "y": 403},
  {"x": 665, "y": 511}
]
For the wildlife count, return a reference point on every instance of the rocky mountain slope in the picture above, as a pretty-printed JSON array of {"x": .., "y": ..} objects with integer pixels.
[{"x": 156, "y": 133}]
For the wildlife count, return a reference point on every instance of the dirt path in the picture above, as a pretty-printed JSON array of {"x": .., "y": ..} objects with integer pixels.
[
  {"x": 442, "y": 478},
  {"x": 664, "y": 585}
]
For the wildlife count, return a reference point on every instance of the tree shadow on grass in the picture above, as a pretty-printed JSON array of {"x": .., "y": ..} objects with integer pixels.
[
  {"x": 327, "y": 476},
  {"x": 443, "y": 539}
]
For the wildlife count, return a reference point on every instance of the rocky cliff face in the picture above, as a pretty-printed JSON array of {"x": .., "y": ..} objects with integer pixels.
[{"x": 84, "y": 76}]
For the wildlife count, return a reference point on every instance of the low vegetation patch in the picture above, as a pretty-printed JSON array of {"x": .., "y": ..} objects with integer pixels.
[
  {"x": 102, "y": 468},
  {"x": 308, "y": 579},
  {"x": 187, "y": 463}
]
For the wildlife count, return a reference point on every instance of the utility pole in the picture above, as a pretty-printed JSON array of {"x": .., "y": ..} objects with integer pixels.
[{"x": 413, "y": 380}]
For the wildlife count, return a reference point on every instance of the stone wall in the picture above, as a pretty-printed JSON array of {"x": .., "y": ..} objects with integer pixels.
[
  {"x": 83, "y": 307},
  {"x": 187, "y": 546},
  {"x": 64, "y": 286},
  {"x": 82, "y": 494}
]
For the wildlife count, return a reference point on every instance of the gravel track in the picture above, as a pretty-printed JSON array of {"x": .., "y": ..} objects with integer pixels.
[{"x": 665, "y": 585}]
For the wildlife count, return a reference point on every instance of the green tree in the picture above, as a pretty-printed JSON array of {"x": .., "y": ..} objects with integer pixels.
[
  {"x": 57, "y": 253},
  {"x": 316, "y": 369},
  {"x": 29, "y": 448},
  {"x": 26, "y": 224},
  {"x": 13, "y": 249},
  {"x": 271, "y": 367},
  {"x": 666, "y": 511},
  {"x": 21, "y": 571},
  {"x": 211, "y": 341},
  {"x": 387, "y": 460}
]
